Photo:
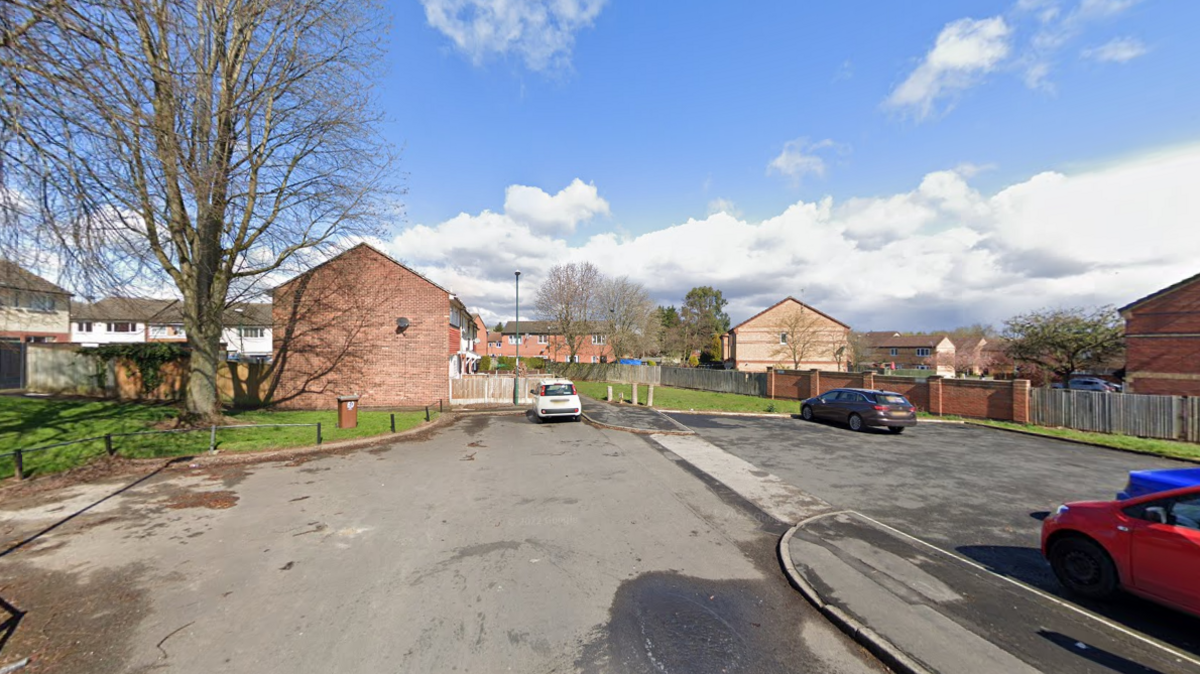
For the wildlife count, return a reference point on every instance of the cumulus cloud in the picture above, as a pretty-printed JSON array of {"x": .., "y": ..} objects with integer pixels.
[
  {"x": 939, "y": 255},
  {"x": 1117, "y": 50},
  {"x": 800, "y": 158},
  {"x": 720, "y": 205},
  {"x": 965, "y": 51},
  {"x": 540, "y": 32},
  {"x": 557, "y": 214}
]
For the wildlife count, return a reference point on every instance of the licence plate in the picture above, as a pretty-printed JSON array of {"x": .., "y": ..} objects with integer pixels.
[{"x": 558, "y": 401}]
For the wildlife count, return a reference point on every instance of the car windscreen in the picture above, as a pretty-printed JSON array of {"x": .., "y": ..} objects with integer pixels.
[
  {"x": 558, "y": 390},
  {"x": 892, "y": 399}
]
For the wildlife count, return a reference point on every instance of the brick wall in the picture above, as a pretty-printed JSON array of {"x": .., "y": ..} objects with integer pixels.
[
  {"x": 335, "y": 333},
  {"x": 982, "y": 399},
  {"x": 1162, "y": 338}
]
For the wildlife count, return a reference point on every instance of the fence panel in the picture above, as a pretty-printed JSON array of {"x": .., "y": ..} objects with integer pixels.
[
  {"x": 1145, "y": 416},
  {"x": 58, "y": 370},
  {"x": 487, "y": 389},
  {"x": 720, "y": 381},
  {"x": 1192, "y": 426},
  {"x": 614, "y": 372}
]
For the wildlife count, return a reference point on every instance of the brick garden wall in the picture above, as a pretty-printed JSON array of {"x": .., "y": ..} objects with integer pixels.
[
  {"x": 981, "y": 399},
  {"x": 336, "y": 334}
]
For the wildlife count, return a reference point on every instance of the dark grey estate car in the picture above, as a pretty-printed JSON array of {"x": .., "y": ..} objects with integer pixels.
[{"x": 862, "y": 407}]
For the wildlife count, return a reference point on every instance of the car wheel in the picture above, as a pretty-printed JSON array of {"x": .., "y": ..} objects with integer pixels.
[
  {"x": 1083, "y": 567},
  {"x": 807, "y": 413},
  {"x": 856, "y": 422},
  {"x": 578, "y": 417},
  {"x": 896, "y": 430}
]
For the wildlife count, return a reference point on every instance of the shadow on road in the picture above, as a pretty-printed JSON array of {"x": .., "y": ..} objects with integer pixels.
[
  {"x": 9, "y": 626},
  {"x": 1110, "y": 661},
  {"x": 1028, "y": 566}
]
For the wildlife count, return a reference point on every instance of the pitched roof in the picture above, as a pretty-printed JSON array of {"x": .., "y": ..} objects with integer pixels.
[
  {"x": 792, "y": 299},
  {"x": 1159, "y": 293},
  {"x": 143, "y": 310},
  {"x": 544, "y": 328},
  {"x": 909, "y": 341},
  {"x": 968, "y": 343},
  {"x": 247, "y": 314},
  {"x": 377, "y": 252},
  {"x": 12, "y": 275}
]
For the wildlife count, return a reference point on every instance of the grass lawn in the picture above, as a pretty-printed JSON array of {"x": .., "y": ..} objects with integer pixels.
[
  {"x": 1166, "y": 448},
  {"x": 34, "y": 422},
  {"x": 668, "y": 398}
]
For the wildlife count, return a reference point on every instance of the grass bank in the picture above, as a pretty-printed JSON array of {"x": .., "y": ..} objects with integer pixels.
[
  {"x": 27, "y": 423},
  {"x": 668, "y": 398},
  {"x": 1165, "y": 448}
]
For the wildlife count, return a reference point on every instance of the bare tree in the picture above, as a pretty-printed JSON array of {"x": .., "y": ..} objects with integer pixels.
[
  {"x": 204, "y": 143},
  {"x": 805, "y": 334},
  {"x": 569, "y": 300},
  {"x": 858, "y": 350},
  {"x": 629, "y": 318}
]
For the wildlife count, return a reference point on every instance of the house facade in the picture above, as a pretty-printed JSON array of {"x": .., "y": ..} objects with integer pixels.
[
  {"x": 540, "y": 339},
  {"x": 788, "y": 335},
  {"x": 913, "y": 352},
  {"x": 363, "y": 323},
  {"x": 32, "y": 309},
  {"x": 1162, "y": 341},
  {"x": 246, "y": 334}
]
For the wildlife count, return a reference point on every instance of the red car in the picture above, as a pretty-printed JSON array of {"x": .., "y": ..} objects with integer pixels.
[{"x": 1148, "y": 546}]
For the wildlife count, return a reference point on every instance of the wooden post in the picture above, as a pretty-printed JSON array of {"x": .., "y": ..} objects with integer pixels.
[
  {"x": 427, "y": 413},
  {"x": 108, "y": 446},
  {"x": 212, "y": 440},
  {"x": 650, "y": 396},
  {"x": 19, "y": 465},
  {"x": 318, "y": 432},
  {"x": 635, "y": 399},
  {"x": 771, "y": 381}
]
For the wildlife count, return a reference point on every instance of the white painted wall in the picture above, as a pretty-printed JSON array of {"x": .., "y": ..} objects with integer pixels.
[{"x": 100, "y": 333}]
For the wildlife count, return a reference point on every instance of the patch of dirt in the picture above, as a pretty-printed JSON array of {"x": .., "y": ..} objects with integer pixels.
[
  {"x": 71, "y": 624},
  {"x": 229, "y": 476},
  {"x": 101, "y": 469},
  {"x": 214, "y": 500}
]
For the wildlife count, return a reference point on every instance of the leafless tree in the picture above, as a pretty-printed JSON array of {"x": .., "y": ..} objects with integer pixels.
[
  {"x": 209, "y": 144},
  {"x": 630, "y": 320},
  {"x": 858, "y": 350},
  {"x": 805, "y": 334},
  {"x": 569, "y": 300}
]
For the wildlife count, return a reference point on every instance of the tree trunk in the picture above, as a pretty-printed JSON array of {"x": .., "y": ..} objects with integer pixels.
[{"x": 202, "y": 323}]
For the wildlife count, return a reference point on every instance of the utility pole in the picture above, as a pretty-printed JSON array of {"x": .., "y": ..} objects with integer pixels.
[{"x": 517, "y": 366}]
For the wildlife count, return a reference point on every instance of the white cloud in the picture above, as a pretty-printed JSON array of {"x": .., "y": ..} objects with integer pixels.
[
  {"x": 1060, "y": 28},
  {"x": 965, "y": 51},
  {"x": 1117, "y": 50},
  {"x": 558, "y": 214},
  {"x": 940, "y": 255},
  {"x": 540, "y": 32},
  {"x": 720, "y": 205},
  {"x": 799, "y": 158}
]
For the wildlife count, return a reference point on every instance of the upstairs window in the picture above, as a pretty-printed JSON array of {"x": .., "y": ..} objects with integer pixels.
[
  {"x": 543, "y": 339},
  {"x": 895, "y": 352},
  {"x": 122, "y": 327},
  {"x": 783, "y": 338},
  {"x": 42, "y": 303},
  {"x": 252, "y": 333},
  {"x": 512, "y": 339},
  {"x": 598, "y": 339},
  {"x": 83, "y": 326},
  {"x": 924, "y": 351}
]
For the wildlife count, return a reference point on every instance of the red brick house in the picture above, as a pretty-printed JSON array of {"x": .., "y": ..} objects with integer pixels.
[
  {"x": 540, "y": 340},
  {"x": 1162, "y": 341},
  {"x": 913, "y": 352},
  {"x": 32, "y": 309},
  {"x": 363, "y": 323}
]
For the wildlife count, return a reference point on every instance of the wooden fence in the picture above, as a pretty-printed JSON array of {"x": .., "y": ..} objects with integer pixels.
[
  {"x": 488, "y": 389},
  {"x": 720, "y": 381},
  {"x": 1145, "y": 416}
]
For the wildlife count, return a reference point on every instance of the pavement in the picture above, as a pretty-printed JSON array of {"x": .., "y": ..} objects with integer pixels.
[{"x": 632, "y": 418}]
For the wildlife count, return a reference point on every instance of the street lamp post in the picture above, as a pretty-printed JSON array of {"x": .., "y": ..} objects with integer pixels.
[{"x": 517, "y": 366}]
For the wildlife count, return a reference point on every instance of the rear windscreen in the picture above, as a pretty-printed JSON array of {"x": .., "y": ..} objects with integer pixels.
[
  {"x": 558, "y": 390},
  {"x": 892, "y": 400}
]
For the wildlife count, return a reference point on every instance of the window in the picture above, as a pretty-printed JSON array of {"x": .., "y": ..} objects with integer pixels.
[
  {"x": 598, "y": 339},
  {"x": 595, "y": 359},
  {"x": 252, "y": 333},
  {"x": 512, "y": 339},
  {"x": 922, "y": 351},
  {"x": 83, "y": 326},
  {"x": 543, "y": 339},
  {"x": 922, "y": 367},
  {"x": 783, "y": 338},
  {"x": 455, "y": 318},
  {"x": 122, "y": 327},
  {"x": 895, "y": 352},
  {"x": 41, "y": 303}
]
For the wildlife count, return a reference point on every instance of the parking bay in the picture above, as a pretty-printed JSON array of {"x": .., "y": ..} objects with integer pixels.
[{"x": 972, "y": 491}]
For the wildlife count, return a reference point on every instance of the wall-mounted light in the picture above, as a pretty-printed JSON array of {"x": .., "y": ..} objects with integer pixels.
[{"x": 402, "y": 323}]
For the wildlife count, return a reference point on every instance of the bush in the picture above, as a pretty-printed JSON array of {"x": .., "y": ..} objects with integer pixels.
[
  {"x": 485, "y": 363},
  {"x": 693, "y": 361},
  {"x": 650, "y": 363}
]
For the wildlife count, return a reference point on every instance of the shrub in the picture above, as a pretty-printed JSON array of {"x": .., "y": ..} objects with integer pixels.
[
  {"x": 485, "y": 363},
  {"x": 693, "y": 361}
]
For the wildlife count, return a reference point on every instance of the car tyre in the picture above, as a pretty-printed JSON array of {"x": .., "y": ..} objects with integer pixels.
[
  {"x": 896, "y": 430},
  {"x": 578, "y": 417},
  {"x": 856, "y": 423},
  {"x": 1083, "y": 567},
  {"x": 806, "y": 413}
]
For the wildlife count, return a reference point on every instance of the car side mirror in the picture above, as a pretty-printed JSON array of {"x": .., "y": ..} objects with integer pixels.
[{"x": 1157, "y": 514}]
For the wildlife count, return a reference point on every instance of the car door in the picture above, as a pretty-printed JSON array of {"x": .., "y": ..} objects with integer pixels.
[
  {"x": 826, "y": 407},
  {"x": 1164, "y": 557}
]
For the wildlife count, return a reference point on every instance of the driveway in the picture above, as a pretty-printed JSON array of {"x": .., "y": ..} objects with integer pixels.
[
  {"x": 495, "y": 545},
  {"x": 971, "y": 490}
]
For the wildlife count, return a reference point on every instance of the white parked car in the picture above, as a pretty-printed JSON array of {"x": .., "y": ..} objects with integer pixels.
[{"x": 556, "y": 398}]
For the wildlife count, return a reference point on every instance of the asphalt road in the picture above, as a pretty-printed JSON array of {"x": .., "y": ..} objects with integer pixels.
[
  {"x": 971, "y": 490},
  {"x": 495, "y": 545}
]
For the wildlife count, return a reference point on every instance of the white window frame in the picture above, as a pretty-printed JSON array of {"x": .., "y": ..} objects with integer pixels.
[
  {"x": 895, "y": 352},
  {"x": 113, "y": 327},
  {"x": 83, "y": 326},
  {"x": 248, "y": 332},
  {"x": 924, "y": 351},
  {"x": 783, "y": 338},
  {"x": 599, "y": 340},
  {"x": 42, "y": 303},
  {"x": 543, "y": 339},
  {"x": 512, "y": 339}
]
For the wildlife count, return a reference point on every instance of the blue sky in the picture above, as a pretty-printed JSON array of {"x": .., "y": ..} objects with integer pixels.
[{"x": 954, "y": 153}]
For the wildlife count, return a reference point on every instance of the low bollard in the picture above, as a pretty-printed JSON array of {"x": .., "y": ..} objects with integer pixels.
[
  {"x": 393, "y": 423},
  {"x": 318, "y": 432},
  {"x": 19, "y": 463},
  {"x": 650, "y": 396},
  {"x": 427, "y": 411},
  {"x": 108, "y": 446},
  {"x": 212, "y": 441},
  {"x": 609, "y": 398},
  {"x": 439, "y": 406}
]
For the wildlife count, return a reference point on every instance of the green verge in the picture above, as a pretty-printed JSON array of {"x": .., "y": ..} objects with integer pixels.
[
  {"x": 1165, "y": 448},
  {"x": 668, "y": 398},
  {"x": 27, "y": 423}
]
